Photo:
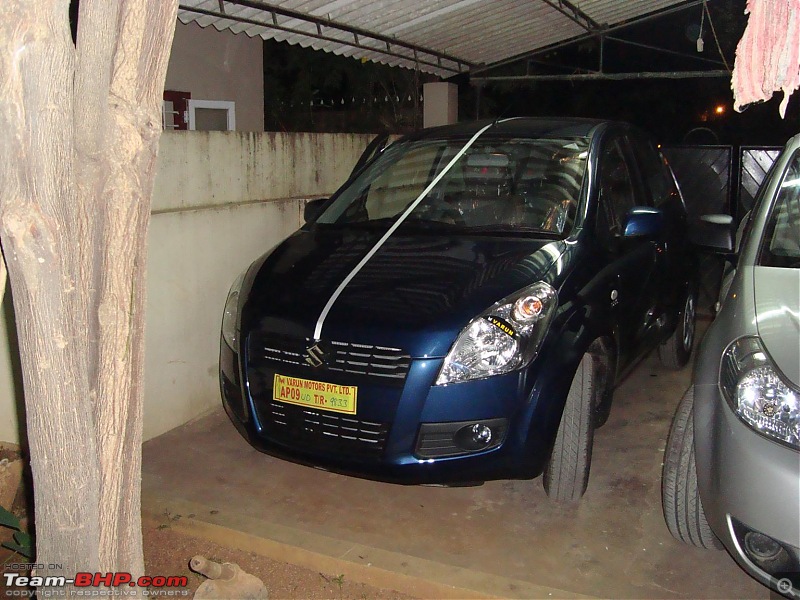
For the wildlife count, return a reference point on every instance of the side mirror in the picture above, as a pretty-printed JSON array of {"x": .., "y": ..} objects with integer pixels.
[
  {"x": 313, "y": 208},
  {"x": 643, "y": 222},
  {"x": 714, "y": 233}
]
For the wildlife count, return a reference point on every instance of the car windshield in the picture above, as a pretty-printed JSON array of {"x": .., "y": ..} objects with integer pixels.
[
  {"x": 498, "y": 186},
  {"x": 781, "y": 243}
]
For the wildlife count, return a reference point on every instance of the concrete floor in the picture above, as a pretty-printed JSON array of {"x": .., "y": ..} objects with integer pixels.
[{"x": 501, "y": 539}]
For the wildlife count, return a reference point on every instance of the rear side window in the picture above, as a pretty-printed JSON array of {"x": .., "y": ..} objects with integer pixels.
[
  {"x": 616, "y": 194},
  {"x": 654, "y": 170},
  {"x": 780, "y": 246}
]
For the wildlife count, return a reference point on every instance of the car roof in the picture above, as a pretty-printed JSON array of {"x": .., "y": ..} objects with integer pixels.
[{"x": 533, "y": 127}]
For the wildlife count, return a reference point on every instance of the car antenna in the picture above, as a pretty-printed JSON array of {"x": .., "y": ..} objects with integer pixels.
[{"x": 502, "y": 114}]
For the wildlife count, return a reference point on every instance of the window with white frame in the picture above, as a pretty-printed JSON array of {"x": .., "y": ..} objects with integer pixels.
[{"x": 212, "y": 115}]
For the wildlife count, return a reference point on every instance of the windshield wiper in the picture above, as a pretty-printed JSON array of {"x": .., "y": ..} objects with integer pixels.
[
  {"x": 429, "y": 224},
  {"x": 505, "y": 228}
]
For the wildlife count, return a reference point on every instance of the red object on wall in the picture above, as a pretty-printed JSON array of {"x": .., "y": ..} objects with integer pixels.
[{"x": 180, "y": 104}]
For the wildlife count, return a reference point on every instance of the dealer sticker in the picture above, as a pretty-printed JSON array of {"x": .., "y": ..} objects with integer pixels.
[{"x": 315, "y": 394}]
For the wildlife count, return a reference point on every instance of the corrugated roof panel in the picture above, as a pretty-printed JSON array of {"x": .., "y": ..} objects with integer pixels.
[
  {"x": 446, "y": 33},
  {"x": 607, "y": 12}
]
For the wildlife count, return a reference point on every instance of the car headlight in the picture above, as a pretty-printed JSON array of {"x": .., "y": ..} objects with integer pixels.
[
  {"x": 758, "y": 393},
  {"x": 505, "y": 337},
  {"x": 230, "y": 316}
]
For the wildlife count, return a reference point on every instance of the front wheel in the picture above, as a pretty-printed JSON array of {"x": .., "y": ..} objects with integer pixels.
[
  {"x": 680, "y": 499},
  {"x": 674, "y": 353},
  {"x": 567, "y": 473}
]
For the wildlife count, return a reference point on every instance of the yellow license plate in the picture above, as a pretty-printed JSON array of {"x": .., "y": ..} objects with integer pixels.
[{"x": 315, "y": 394}]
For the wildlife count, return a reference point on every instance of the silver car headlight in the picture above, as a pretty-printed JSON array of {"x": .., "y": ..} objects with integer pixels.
[
  {"x": 758, "y": 393},
  {"x": 505, "y": 337},
  {"x": 230, "y": 316}
]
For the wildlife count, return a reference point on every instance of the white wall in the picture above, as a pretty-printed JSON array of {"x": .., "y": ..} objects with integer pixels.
[{"x": 220, "y": 201}]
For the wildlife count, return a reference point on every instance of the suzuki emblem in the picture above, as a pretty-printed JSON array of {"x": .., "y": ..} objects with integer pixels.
[{"x": 315, "y": 355}]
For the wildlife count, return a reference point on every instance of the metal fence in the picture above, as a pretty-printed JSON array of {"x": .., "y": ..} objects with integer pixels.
[
  {"x": 717, "y": 179},
  {"x": 755, "y": 163}
]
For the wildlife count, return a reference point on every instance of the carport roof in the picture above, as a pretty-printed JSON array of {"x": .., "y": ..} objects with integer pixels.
[{"x": 443, "y": 37}]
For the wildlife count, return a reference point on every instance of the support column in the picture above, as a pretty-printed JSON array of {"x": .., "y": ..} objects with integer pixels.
[{"x": 440, "y": 104}]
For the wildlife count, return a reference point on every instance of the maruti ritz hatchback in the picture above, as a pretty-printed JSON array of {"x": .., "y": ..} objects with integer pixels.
[{"x": 463, "y": 306}]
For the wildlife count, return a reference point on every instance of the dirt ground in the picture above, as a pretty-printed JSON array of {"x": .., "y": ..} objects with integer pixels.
[{"x": 167, "y": 552}]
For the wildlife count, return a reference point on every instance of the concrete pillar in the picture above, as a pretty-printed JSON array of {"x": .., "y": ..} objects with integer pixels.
[{"x": 440, "y": 102}]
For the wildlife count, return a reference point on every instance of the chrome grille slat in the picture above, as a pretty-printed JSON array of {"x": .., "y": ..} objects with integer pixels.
[
  {"x": 342, "y": 433},
  {"x": 382, "y": 362}
]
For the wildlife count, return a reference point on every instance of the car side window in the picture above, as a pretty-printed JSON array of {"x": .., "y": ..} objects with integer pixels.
[
  {"x": 616, "y": 194},
  {"x": 654, "y": 170},
  {"x": 781, "y": 242}
]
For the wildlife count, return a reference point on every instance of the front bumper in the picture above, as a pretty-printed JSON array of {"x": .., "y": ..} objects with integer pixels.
[
  {"x": 750, "y": 487},
  {"x": 405, "y": 432}
]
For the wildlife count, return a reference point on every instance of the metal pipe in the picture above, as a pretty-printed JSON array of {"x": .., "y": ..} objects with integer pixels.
[
  {"x": 601, "y": 76},
  {"x": 578, "y": 16},
  {"x": 587, "y": 36},
  {"x": 294, "y": 14},
  {"x": 324, "y": 38},
  {"x": 665, "y": 51}
]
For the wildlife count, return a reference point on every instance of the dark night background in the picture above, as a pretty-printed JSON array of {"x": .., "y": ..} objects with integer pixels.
[{"x": 307, "y": 90}]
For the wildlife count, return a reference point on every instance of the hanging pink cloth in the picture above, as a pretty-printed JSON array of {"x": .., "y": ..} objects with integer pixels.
[{"x": 768, "y": 55}]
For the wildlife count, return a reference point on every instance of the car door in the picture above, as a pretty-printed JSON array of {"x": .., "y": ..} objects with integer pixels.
[
  {"x": 674, "y": 257},
  {"x": 630, "y": 262}
]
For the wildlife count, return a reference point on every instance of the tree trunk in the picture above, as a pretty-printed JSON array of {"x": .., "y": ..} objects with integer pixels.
[{"x": 80, "y": 127}]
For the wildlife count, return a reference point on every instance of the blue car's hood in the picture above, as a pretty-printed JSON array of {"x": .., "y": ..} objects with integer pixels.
[{"x": 416, "y": 293}]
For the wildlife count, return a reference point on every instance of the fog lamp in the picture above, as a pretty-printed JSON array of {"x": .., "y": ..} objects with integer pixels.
[
  {"x": 481, "y": 434},
  {"x": 761, "y": 547}
]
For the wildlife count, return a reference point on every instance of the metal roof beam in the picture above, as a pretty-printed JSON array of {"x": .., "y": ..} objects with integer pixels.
[
  {"x": 587, "y": 36},
  {"x": 601, "y": 76},
  {"x": 321, "y": 22},
  {"x": 665, "y": 51},
  {"x": 323, "y": 38},
  {"x": 574, "y": 14},
  {"x": 326, "y": 38}
]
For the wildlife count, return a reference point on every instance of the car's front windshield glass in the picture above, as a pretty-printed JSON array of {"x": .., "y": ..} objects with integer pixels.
[
  {"x": 781, "y": 242},
  {"x": 506, "y": 185}
]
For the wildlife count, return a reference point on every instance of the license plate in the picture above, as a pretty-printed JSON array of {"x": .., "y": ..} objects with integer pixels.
[{"x": 315, "y": 394}]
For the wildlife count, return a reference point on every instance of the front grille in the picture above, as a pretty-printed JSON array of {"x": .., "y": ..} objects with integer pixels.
[
  {"x": 300, "y": 426},
  {"x": 379, "y": 362}
]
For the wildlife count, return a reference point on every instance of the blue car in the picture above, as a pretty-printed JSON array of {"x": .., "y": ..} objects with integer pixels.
[{"x": 463, "y": 306}]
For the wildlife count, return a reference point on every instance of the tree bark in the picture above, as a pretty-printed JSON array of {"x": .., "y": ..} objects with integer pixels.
[{"x": 80, "y": 127}]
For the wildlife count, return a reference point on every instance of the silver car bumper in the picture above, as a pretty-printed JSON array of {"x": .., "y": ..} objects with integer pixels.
[{"x": 749, "y": 485}]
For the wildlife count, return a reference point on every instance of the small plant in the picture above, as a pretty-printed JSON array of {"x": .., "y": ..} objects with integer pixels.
[
  {"x": 170, "y": 519},
  {"x": 22, "y": 541},
  {"x": 338, "y": 580}
]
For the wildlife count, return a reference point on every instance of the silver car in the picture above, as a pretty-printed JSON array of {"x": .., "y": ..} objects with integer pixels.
[{"x": 732, "y": 463}]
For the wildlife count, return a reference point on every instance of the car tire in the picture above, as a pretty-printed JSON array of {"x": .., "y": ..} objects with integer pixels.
[
  {"x": 674, "y": 353},
  {"x": 680, "y": 499},
  {"x": 567, "y": 472}
]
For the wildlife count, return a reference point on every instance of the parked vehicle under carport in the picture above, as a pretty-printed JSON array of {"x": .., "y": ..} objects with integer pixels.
[
  {"x": 462, "y": 308},
  {"x": 732, "y": 463}
]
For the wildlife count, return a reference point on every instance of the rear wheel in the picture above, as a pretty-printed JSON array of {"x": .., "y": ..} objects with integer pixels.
[
  {"x": 567, "y": 472},
  {"x": 674, "y": 353},
  {"x": 680, "y": 499}
]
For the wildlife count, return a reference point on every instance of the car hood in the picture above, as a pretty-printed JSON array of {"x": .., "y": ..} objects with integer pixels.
[
  {"x": 777, "y": 294},
  {"x": 416, "y": 293}
]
